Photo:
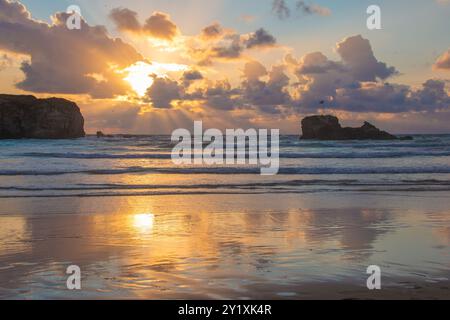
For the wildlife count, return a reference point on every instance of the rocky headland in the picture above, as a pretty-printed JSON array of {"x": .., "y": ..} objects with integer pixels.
[
  {"x": 326, "y": 127},
  {"x": 27, "y": 117}
]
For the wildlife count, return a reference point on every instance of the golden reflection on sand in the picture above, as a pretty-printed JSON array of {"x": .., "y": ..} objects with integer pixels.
[
  {"x": 211, "y": 246},
  {"x": 13, "y": 235},
  {"x": 143, "y": 222}
]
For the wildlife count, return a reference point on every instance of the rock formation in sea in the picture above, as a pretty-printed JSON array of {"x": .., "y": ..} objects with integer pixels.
[
  {"x": 329, "y": 128},
  {"x": 26, "y": 117}
]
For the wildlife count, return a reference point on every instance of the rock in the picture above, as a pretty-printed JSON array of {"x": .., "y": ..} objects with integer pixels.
[
  {"x": 31, "y": 118},
  {"x": 100, "y": 134},
  {"x": 329, "y": 128}
]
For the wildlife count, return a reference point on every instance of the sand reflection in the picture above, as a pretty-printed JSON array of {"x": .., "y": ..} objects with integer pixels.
[{"x": 200, "y": 246}]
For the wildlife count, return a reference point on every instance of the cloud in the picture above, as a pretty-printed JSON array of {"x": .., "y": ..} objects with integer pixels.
[
  {"x": 190, "y": 76},
  {"x": 163, "y": 92},
  {"x": 251, "y": 94},
  {"x": 125, "y": 19},
  {"x": 215, "y": 43},
  {"x": 212, "y": 31},
  {"x": 312, "y": 9},
  {"x": 229, "y": 48},
  {"x": 158, "y": 25},
  {"x": 393, "y": 98},
  {"x": 321, "y": 79},
  {"x": 89, "y": 61},
  {"x": 443, "y": 62},
  {"x": 254, "y": 70},
  {"x": 282, "y": 10},
  {"x": 64, "y": 61},
  {"x": 317, "y": 62},
  {"x": 268, "y": 95},
  {"x": 260, "y": 38},
  {"x": 356, "y": 83},
  {"x": 356, "y": 52},
  {"x": 222, "y": 96}
]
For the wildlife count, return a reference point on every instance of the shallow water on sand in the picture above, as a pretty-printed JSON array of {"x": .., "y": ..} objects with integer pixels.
[{"x": 281, "y": 246}]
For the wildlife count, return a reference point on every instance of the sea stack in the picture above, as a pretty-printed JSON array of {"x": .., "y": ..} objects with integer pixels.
[
  {"x": 328, "y": 128},
  {"x": 26, "y": 117}
]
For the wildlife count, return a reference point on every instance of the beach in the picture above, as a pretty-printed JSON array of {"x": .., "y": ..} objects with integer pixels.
[
  {"x": 139, "y": 227},
  {"x": 227, "y": 246}
]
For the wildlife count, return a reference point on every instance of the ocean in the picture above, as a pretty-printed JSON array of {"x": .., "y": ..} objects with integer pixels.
[
  {"x": 139, "y": 227},
  {"x": 142, "y": 165}
]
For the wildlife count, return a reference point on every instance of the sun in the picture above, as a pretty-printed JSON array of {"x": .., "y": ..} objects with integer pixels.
[{"x": 141, "y": 74}]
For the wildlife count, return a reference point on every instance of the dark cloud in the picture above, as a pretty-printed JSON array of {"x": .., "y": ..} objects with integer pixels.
[
  {"x": 213, "y": 31},
  {"x": 322, "y": 79},
  {"x": 317, "y": 62},
  {"x": 312, "y": 9},
  {"x": 282, "y": 10},
  {"x": 393, "y": 98},
  {"x": 222, "y": 96},
  {"x": 125, "y": 19},
  {"x": 61, "y": 60},
  {"x": 229, "y": 46},
  {"x": 253, "y": 92},
  {"x": 357, "y": 83},
  {"x": 266, "y": 95},
  {"x": 158, "y": 25},
  {"x": 260, "y": 38},
  {"x": 356, "y": 52},
  {"x": 443, "y": 62},
  {"x": 433, "y": 93},
  {"x": 190, "y": 76},
  {"x": 163, "y": 92}
]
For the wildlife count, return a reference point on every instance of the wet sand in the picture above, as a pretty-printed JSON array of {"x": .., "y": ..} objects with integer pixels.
[{"x": 269, "y": 246}]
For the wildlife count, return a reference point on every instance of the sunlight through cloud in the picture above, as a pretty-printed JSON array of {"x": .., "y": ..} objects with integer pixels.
[{"x": 141, "y": 74}]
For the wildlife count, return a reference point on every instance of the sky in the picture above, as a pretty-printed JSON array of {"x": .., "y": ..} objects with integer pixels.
[{"x": 154, "y": 66}]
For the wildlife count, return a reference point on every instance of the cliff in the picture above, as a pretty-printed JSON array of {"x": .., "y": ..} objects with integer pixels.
[{"x": 26, "y": 117}]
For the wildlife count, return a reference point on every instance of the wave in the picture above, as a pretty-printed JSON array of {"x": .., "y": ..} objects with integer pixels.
[
  {"x": 93, "y": 155},
  {"x": 283, "y": 155},
  {"x": 248, "y": 186},
  {"x": 234, "y": 170},
  {"x": 220, "y": 192}
]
